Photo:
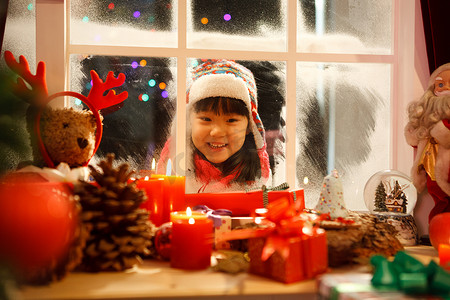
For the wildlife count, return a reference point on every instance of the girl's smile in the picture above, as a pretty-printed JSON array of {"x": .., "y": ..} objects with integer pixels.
[{"x": 220, "y": 136}]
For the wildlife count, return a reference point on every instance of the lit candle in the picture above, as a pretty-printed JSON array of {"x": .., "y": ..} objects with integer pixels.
[
  {"x": 173, "y": 192},
  {"x": 444, "y": 256},
  {"x": 192, "y": 240},
  {"x": 153, "y": 187},
  {"x": 149, "y": 172}
]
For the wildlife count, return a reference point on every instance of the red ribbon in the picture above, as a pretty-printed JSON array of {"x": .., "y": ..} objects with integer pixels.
[{"x": 280, "y": 223}]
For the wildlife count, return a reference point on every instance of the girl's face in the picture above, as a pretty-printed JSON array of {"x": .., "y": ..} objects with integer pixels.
[
  {"x": 220, "y": 136},
  {"x": 442, "y": 83}
]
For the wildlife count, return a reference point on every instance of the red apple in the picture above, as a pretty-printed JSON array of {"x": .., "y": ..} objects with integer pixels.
[
  {"x": 37, "y": 221},
  {"x": 439, "y": 229}
]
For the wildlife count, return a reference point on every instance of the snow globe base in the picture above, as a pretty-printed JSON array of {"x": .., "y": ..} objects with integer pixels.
[{"x": 407, "y": 232}]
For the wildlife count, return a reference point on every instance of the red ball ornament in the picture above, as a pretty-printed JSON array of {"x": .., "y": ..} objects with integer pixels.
[
  {"x": 439, "y": 229},
  {"x": 163, "y": 237},
  {"x": 38, "y": 220}
]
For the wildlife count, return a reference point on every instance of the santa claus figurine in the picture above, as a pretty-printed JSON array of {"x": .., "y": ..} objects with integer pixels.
[{"x": 428, "y": 130}]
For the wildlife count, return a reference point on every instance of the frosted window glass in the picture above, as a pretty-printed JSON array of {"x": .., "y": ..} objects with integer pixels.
[
  {"x": 124, "y": 22},
  {"x": 136, "y": 133},
  {"x": 255, "y": 25},
  {"x": 351, "y": 26},
  {"x": 343, "y": 123},
  {"x": 20, "y": 30}
]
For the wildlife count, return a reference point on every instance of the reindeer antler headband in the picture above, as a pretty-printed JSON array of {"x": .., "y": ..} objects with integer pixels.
[{"x": 38, "y": 95}]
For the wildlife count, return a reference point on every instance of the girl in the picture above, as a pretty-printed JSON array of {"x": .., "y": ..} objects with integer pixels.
[
  {"x": 428, "y": 130},
  {"x": 226, "y": 147}
]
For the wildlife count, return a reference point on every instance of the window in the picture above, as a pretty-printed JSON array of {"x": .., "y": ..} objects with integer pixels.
[{"x": 337, "y": 65}]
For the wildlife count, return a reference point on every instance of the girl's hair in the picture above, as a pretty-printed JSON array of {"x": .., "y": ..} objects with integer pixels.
[{"x": 246, "y": 160}]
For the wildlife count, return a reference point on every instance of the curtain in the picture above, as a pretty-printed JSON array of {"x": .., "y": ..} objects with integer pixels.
[
  {"x": 3, "y": 13},
  {"x": 435, "y": 15}
]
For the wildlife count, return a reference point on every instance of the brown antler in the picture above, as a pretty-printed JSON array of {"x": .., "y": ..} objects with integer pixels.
[
  {"x": 99, "y": 87},
  {"x": 38, "y": 92}
]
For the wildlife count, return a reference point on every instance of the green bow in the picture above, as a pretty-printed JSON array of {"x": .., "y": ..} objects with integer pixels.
[{"x": 409, "y": 275}]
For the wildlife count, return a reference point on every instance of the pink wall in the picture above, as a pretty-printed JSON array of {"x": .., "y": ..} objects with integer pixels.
[{"x": 424, "y": 201}]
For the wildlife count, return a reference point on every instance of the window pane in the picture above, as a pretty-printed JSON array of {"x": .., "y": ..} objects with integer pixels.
[
  {"x": 136, "y": 133},
  {"x": 270, "y": 85},
  {"x": 352, "y": 26},
  {"x": 124, "y": 22},
  {"x": 20, "y": 30},
  {"x": 343, "y": 123},
  {"x": 255, "y": 25}
]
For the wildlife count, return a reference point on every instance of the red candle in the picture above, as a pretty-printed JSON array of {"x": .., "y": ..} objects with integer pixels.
[
  {"x": 153, "y": 187},
  {"x": 173, "y": 194},
  {"x": 192, "y": 239},
  {"x": 444, "y": 256}
]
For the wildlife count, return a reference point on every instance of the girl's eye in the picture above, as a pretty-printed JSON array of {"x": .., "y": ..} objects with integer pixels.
[
  {"x": 205, "y": 119},
  {"x": 441, "y": 84},
  {"x": 232, "y": 120},
  {"x": 65, "y": 125}
]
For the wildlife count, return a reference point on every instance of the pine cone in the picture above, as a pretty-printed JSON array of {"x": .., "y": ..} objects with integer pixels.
[{"x": 120, "y": 232}]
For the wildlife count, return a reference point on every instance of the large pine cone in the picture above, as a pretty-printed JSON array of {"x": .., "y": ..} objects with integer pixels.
[{"x": 120, "y": 232}]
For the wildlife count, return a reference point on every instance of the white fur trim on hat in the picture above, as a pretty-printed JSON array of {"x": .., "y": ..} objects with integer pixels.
[{"x": 219, "y": 85}]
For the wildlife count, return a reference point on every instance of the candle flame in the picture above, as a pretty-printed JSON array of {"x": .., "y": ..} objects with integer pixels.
[
  {"x": 188, "y": 212},
  {"x": 305, "y": 180},
  {"x": 146, "y": 178},
  {"x": 258, "y": 220},
  {"x": 153, "y": 164},
  {"x": 191, "y": 221}
]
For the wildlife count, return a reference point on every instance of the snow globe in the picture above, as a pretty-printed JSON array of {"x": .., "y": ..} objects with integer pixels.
[{"x": 391, "y": 196}]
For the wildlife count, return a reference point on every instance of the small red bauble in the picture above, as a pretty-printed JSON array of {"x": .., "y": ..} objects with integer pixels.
[
  {"x": 163, "y": 239},
  {"x": 439, "y": 229}
]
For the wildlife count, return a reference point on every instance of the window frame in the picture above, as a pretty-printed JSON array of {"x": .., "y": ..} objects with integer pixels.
[{"x": 53, "y": 46}]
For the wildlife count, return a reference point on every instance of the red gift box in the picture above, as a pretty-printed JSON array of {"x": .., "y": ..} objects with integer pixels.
[
  {"x": 244, "y": 203},
  {"x": 288, "y": 246},
  {"x": 307, "y": 258}
]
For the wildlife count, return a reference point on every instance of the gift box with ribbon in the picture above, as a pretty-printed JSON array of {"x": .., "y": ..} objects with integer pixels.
[
  {"x": 402, "y": 278},
  {"x": 243, "y": 203},
  {"x": 287, "y": 246}
]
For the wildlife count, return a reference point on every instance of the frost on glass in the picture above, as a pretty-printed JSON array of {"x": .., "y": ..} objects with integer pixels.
[
  {"x": 20, "y": 31},
  {"x": 270, "y": 84},
  {"x": 256, "y": 25},
  {"x": 136, "y": 132},
  {"x": 343, "y": 123},
  {"x": 146, "y": 23},
  {"x": 351, "y": 26}
]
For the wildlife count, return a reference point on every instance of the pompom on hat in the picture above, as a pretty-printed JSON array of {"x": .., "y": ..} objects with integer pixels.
[{"x": 225, "y": 78}]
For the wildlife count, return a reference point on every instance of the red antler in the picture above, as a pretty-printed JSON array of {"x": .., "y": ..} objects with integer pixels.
[
  {"x": 38, "y": 91},
  {"x": 99, "y": 88}
]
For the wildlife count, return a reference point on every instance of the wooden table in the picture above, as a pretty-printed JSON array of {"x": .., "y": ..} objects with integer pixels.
[{"x": 156, "y": 280}]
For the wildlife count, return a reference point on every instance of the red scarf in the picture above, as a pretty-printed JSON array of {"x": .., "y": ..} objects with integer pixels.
[{"x": 207, "y": 173}]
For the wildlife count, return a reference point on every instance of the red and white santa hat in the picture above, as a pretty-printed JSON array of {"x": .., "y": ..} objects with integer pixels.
[{"x": 225, "y": 78}]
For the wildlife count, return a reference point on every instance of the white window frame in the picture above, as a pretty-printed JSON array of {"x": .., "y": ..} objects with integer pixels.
[{"x": 53, "y": 47}]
